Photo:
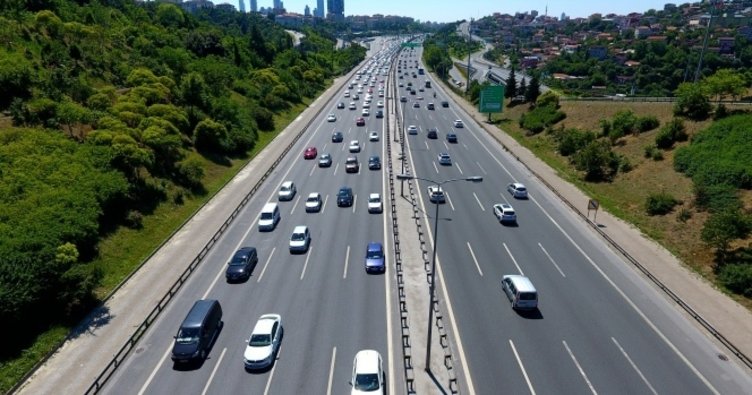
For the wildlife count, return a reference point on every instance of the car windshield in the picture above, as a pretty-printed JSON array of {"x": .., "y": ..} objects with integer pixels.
[
  {"x": 266, "y": 215},
  {"x": 187, "y": 335},
  {"x": 374, "y": 254},
  {"x": 374, "y": 200},
  {"x": 313, "y": 199},
  {"x": 285, "y": 188},
  {"x": 298, "y": 237},
  {"x": 366, "y": 382},
  {"x": 520, "y": 189},
  {"x": 344, "y": 192},
  {"x": 238, "y": 260},
  {"x": 527, "y": 296},
  {"x": 260, "y": 340}
]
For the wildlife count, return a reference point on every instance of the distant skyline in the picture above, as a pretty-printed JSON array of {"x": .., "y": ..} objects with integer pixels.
[{"x": 453, "y": 10}]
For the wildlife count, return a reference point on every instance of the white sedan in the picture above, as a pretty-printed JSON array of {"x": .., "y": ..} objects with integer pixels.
[
  {"x": 374, "y": 203},
  {"x": 366, "y": 112},
  {"x": 373, "y": 136},
  {"x": 313, "y": 203},
  {"x": 458, "y": 124},
  {"x": 505, "y": 213},
  {"x": 331, "y": 118},
  {"x": 354, "y": 146},
  {"x": 412, "y": 129},
  {"x": 263, "y": 344}
]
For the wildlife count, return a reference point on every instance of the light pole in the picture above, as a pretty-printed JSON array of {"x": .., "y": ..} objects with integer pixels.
[{"x": 432, "y": 287}]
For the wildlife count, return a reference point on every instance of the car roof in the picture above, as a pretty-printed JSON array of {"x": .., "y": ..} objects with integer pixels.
[
  {"x": 287, "y": 184},
  {"x": 265, "y": 323},
  {"x": 504, "y": 206},
  {"x": 313, "y": 194},
  {"x": 374, "y": 195},
  {"x": 367, "y": 361},
  {"x": 300, "y": 229},
  {"x": 518, "y": 185},
  {"x": 522, "y": 283},
  {"x": 374, "y": 246}
]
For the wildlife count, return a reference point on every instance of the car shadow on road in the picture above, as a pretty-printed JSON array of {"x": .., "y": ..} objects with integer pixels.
[{"x": 534, "y": 314}]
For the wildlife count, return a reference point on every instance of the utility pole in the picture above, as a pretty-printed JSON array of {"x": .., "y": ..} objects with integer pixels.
[
  {"x": 469, "y": 45},
  {"x": 714, "y": 4}
]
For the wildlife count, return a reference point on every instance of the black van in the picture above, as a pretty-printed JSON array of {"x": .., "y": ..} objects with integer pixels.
[{"x": 198, "y": 331}]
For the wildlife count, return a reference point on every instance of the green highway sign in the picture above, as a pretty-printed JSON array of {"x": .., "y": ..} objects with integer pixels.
[{"x": 491, "y": 99}]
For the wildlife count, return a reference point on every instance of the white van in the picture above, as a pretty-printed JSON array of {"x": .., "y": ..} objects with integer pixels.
[
  {"x": 269, "y": 217},
  {"x": 520, "y": 292}
]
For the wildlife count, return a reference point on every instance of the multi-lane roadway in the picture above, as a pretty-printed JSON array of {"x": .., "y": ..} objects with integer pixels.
[{"x": 599, "y": 328}]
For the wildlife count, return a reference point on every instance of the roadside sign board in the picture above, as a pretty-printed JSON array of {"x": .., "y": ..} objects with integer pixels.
[{"x": 491, "y": 99}]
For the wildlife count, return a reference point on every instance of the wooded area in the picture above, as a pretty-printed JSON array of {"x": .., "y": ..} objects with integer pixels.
[{"x": 112, "y": 104}]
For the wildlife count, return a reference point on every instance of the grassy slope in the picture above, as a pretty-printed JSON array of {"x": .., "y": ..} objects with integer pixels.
[
  {"x": 625, "y": 197},
  {"x": 123, "y": 251}
]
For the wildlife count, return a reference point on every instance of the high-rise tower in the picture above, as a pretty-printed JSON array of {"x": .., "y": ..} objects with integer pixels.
[
  {"x": 241, "y": 6},
  {"x": 319, "y": 9},
  {"x": 254, "y": 6},
  {"x": 335, "y": 9}
]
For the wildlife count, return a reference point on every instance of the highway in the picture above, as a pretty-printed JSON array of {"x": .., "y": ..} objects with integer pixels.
[
  {"x": 600, "y": 327},
  {"x": 330, "y": 307}
]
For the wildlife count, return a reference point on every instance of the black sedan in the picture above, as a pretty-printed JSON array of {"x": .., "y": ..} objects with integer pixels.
[
  {"x": 345, "y": 197},
  {"x": 242, "y": 264}
]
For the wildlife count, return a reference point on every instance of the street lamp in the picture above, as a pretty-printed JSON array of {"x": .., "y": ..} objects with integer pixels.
[{"x": 432, "y": 287}]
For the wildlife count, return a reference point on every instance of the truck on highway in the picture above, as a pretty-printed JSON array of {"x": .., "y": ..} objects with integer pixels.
[
  {"x": 421, "y": 71},
  {"x": 428, "y": 84}
]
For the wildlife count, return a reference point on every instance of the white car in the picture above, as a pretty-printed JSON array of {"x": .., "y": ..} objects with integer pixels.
[
  {"x": 458, "y": 123},
  {"x": 263, "y": 344},
  {"x": 352, "y": 105},
  {"x": 374, "y": 203},
  {"x": 347, "y": 93},
  {"x": 331, "y": 118},
  {"x": 300, "y": 239},
  {"x": 366, "y": 103},
  {"x": 412, "y": 129},
  {"x": 373, "y": 136},
  {"x": 445, "y": 159},
  {"x": 380, "y": 104},
  {"x": 368, "y": 373},
  {"x": 505, "y": 213},
  {"x": 313, "y": 202},
  {"x": 517, "y": 190},
  {"x": 366, "y": 112},
  {"x": 436, "y": 194},
  {"x": 287, "y": 191},
  {"x": 354, "y": 146}
]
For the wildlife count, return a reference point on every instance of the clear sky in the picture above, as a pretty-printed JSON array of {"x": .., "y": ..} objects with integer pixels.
[{"x": 453, "y": 10}]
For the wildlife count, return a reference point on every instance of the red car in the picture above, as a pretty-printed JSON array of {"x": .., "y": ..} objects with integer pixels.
[
  {"x": 310, "y": 153},
  {"x": 360, "y": 121}
]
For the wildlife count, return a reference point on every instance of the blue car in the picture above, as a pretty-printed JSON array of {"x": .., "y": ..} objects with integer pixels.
[{"x": 375, "y": 261}]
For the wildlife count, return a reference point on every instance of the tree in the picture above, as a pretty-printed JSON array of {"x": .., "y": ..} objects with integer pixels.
[
  {"x": 692, "y": 101},
  {"x": 210, "y": 135},
  {"x": 725, "y": 82},
  {"x": 511, "y": 85},
  {"x": 724, "y": 227},
  {"x": 523, "y": 86},
  {"x": 597, "y": 161},
  {"x": 533, "y": 89}
]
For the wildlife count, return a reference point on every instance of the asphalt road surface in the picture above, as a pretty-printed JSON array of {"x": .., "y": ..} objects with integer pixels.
[{"x": 599, "y": 328}]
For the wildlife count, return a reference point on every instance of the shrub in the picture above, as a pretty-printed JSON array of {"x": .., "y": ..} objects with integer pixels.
[
  {"x": 737, "y": 278},
  {"x": 684, "y": 215},
  {"x": 670, "y": 133},
  {"x": 724, "y": 227},
  {"x": 540, "y": 117},
  {"x": 573, "y": 140},
  {"x": 652, "y": 152},
  {"x": 716, "y": 197},
  {"x": 660, "y": 203},
  {"x": 643, "y": 124},
  {"x": 597, "y": 161}
]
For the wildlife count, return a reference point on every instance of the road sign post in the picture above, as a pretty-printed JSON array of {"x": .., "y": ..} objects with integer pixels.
[{"x": 593, "y": 205}]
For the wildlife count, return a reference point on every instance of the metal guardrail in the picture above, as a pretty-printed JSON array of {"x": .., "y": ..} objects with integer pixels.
[
  {"x": 643, "y": 99},
  {"x": 125, "y": 350},
  {"x": 407, "y": 357}
]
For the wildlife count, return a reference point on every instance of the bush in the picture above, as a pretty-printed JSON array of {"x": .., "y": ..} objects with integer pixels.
[
  {"x": 670, "y": 133},
  {"x": 737, "y": 278},
  {"x": 716, "y": 197},
  {"x": 572, "y": 140},
  {"x": 540, "y": 117},
  {"x": 660, "y": 203},
  {"x": 646, "y": 123},
  {"x": 652, "y": 152},
  {"x": 597, "y": 161},
  {"x": 684, "y": 215}
]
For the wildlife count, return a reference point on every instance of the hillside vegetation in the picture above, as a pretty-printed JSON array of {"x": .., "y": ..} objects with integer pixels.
[{"x": 117, "y": 108}]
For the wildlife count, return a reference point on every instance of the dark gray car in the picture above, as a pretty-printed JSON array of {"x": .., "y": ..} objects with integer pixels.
[{"x": 242, "y": 264}]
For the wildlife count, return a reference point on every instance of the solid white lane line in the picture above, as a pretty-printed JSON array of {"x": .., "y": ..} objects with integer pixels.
[
  {"x": 582, "y": 372},
  {"x": 458, "y": 167},
  {"x": 154, "y": 371},
  {"x": 331, "y": 372},
  {"x": 522, "y": 367},
  {"x": 474, "y": 259},
  {"x": 355, "y": 202},
  {"x": 551, "y": 259},
  {"x": 214, "y": 371},
  {"x": 448, "y": 199},
  {"x": 631, "y": 304},
  {"x": 513, "y": 260},
  {"x": 481, "y": 167},
  {"x": 347, "y": 260},
  {"x": 479, "y": 203},
  {"x": 295, "y": 205},
  {"x": 634, "y": 366},
  {"x": 266, "y": 264},
  {"x": 305, "y": 265},
  {"x": 387, "y": 286}
]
